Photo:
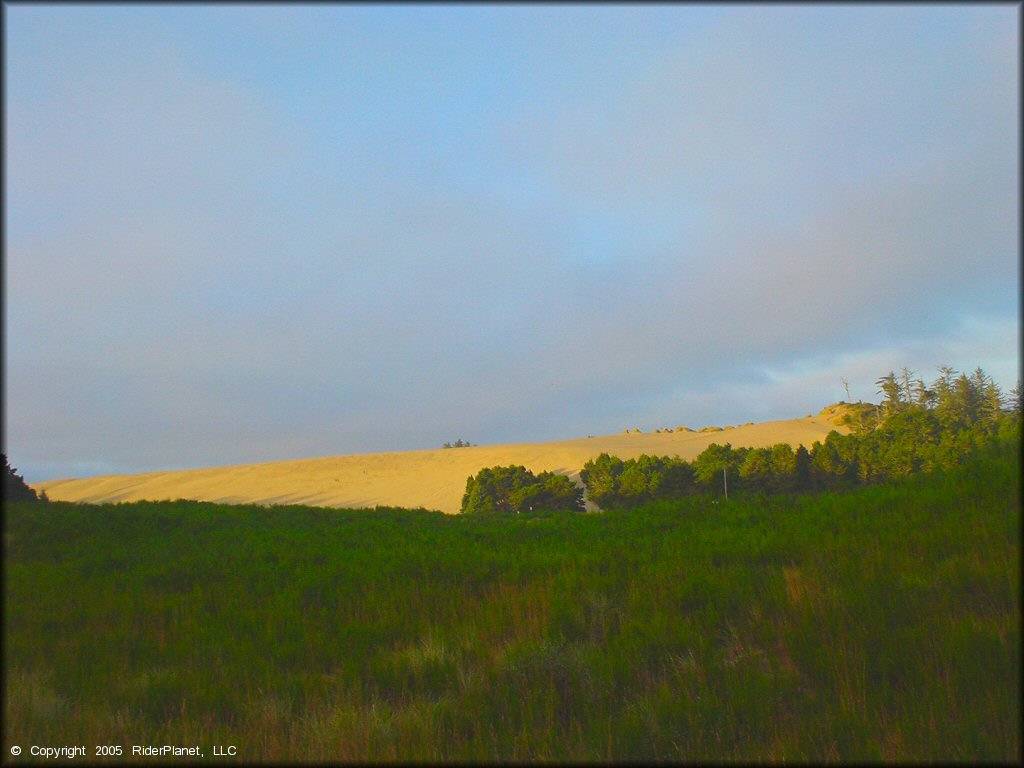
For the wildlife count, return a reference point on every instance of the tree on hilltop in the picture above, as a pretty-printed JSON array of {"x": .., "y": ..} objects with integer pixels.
[
  {"x": 892, "y": 391},
  {"x": 460, "y": 443}
]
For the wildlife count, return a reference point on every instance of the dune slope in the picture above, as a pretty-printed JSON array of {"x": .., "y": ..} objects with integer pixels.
[{"x": 435, "y": 479}]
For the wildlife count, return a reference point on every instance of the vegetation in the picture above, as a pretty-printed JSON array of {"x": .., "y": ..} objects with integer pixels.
[
  {"x": 614, "y": 483},
  {"x": 15, "y": 487},
  {"x": 878, "y": 623},
  {"x": 917, "y": 428},
  {"x": 515, "y": 489},
  {"x": 874, "y": 616},
  {"x": 460, "y": 443}
]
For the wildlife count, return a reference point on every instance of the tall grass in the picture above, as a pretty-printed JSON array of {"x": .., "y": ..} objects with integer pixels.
[{"x": 878, "y": 624}]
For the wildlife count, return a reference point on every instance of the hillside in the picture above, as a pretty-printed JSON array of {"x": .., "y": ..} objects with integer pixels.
[{"x": 435, "y": 479}]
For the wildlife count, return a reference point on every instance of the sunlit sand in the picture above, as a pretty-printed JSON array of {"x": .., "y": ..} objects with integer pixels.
[{"x": 435, "y": 479}]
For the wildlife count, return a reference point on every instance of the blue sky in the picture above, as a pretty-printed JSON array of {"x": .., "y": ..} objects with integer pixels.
[{"x": 251, "y": 233}]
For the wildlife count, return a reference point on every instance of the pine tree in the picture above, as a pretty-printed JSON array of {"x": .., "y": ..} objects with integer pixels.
[
  {"x": 966, "y": 400},
  {"x": 906, "y": 381},
  {"x": 15, "y": 487},
  {"x": 891, "y": 389},
  {"x": 992, "y": 402},
  {"x": 1014, "y": 400},
  {"x": 942, "y": 390},
  {"x": 923, "y": 397}
]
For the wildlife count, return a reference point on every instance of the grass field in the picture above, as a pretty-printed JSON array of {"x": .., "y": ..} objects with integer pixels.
[{"x": 878, "y": 624}]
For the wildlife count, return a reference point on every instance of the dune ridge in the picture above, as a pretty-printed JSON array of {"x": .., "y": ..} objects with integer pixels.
[{"x": 435, "y": 479}]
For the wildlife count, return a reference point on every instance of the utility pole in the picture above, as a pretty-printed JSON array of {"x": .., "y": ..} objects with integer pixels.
[{"x": 725, "y": 481}]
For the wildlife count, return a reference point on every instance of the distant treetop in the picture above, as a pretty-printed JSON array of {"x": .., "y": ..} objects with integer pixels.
[{"x": 458, "y": 444}]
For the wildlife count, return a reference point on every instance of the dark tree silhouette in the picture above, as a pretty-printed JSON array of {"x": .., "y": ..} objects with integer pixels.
[{"x": 15, "y": 488}]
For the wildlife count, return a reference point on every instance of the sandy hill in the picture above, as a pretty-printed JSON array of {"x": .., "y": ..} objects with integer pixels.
[
  {"x": 843, "y": 413},
  {"x": 435, "y": 479}
]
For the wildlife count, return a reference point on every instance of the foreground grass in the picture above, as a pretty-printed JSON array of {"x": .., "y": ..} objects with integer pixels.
[{"x": 881, "y": 624}]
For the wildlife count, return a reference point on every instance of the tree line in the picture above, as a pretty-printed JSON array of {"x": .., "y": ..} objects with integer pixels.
[
  {"x": 917, "y": 427},
  {"x": 516, "y": 489}
]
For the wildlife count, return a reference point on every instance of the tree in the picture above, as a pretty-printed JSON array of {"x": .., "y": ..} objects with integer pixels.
[
  {"x": 966, "y": 400},
  {"x": 802, "y": 465},
  {"x": 15, "y": 487},
  {"x": 756, "y": 470},
  {"x": 614, "y": 483},
  {"x": 891, "y": 389},
  {"x": 677, "y": 479},
  {"x": 835, "y": 460},
  {"x": 713, "y": 460},
  {"x": 1014, "y": 403},
  {"x": 550, "y": 492},
  {"x": 601, "y": 476},
  {"x": 942, "y": 390},
  {"x": 992, "y": 402},
  {"x": 515, "y": 489},
  {"x": 491, "y": 490},
  {"x": 923, "y": 397},
  {"x": 782, "y": 460},
  {"x": 637, "y": 482},
  {"x": 770, "y": 469},
  {"x": 905, "y": 443},
  {"x": 905, "y": 380}
]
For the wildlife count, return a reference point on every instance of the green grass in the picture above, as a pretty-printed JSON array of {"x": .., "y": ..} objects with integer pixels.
[{"x": 878, "y": 624}]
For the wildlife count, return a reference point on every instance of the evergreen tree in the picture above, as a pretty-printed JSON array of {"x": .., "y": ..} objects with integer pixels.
[
  {"x": 992, "y": 402},
  {"x": 966, "y": 400},
  {"x": 890, "y": 388},
  {"x": 601, "y": 476},
  {"x": 756, "y": 471},
  {"x": 677, "y": 478},
  {"x": 635, "y": 483},
  {"x": 802, "y": 465},
  {"x": 1014, "y": 400},
  {"x": 614, "y": 483},
  {"x": 942, "y": 390},
  {"x": 906, "y": 382},
  {"x": 709, "y": 466},
  {"x": 835, "y": 460},
  {"x": 15, "y": 487},
  {"x": 550, "y": 492},
  {"x": 782, "y": 461},
  {"x": 923, "y": 397},
  {"x": 515, "y": 489}
]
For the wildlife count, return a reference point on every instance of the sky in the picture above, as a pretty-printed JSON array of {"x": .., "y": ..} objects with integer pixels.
[{"x": 237, "y": 234}]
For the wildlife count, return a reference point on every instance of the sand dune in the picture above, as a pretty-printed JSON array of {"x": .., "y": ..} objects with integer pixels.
[{"x": 435, "y": 479}]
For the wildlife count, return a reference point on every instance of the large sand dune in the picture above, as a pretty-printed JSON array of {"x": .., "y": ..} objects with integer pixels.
[{"x": 435, "y": 479}]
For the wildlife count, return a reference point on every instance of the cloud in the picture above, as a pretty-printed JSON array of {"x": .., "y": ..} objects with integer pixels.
[
  {"x": 525, "y": 235},
  {"x": 832, "y": 189}
]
